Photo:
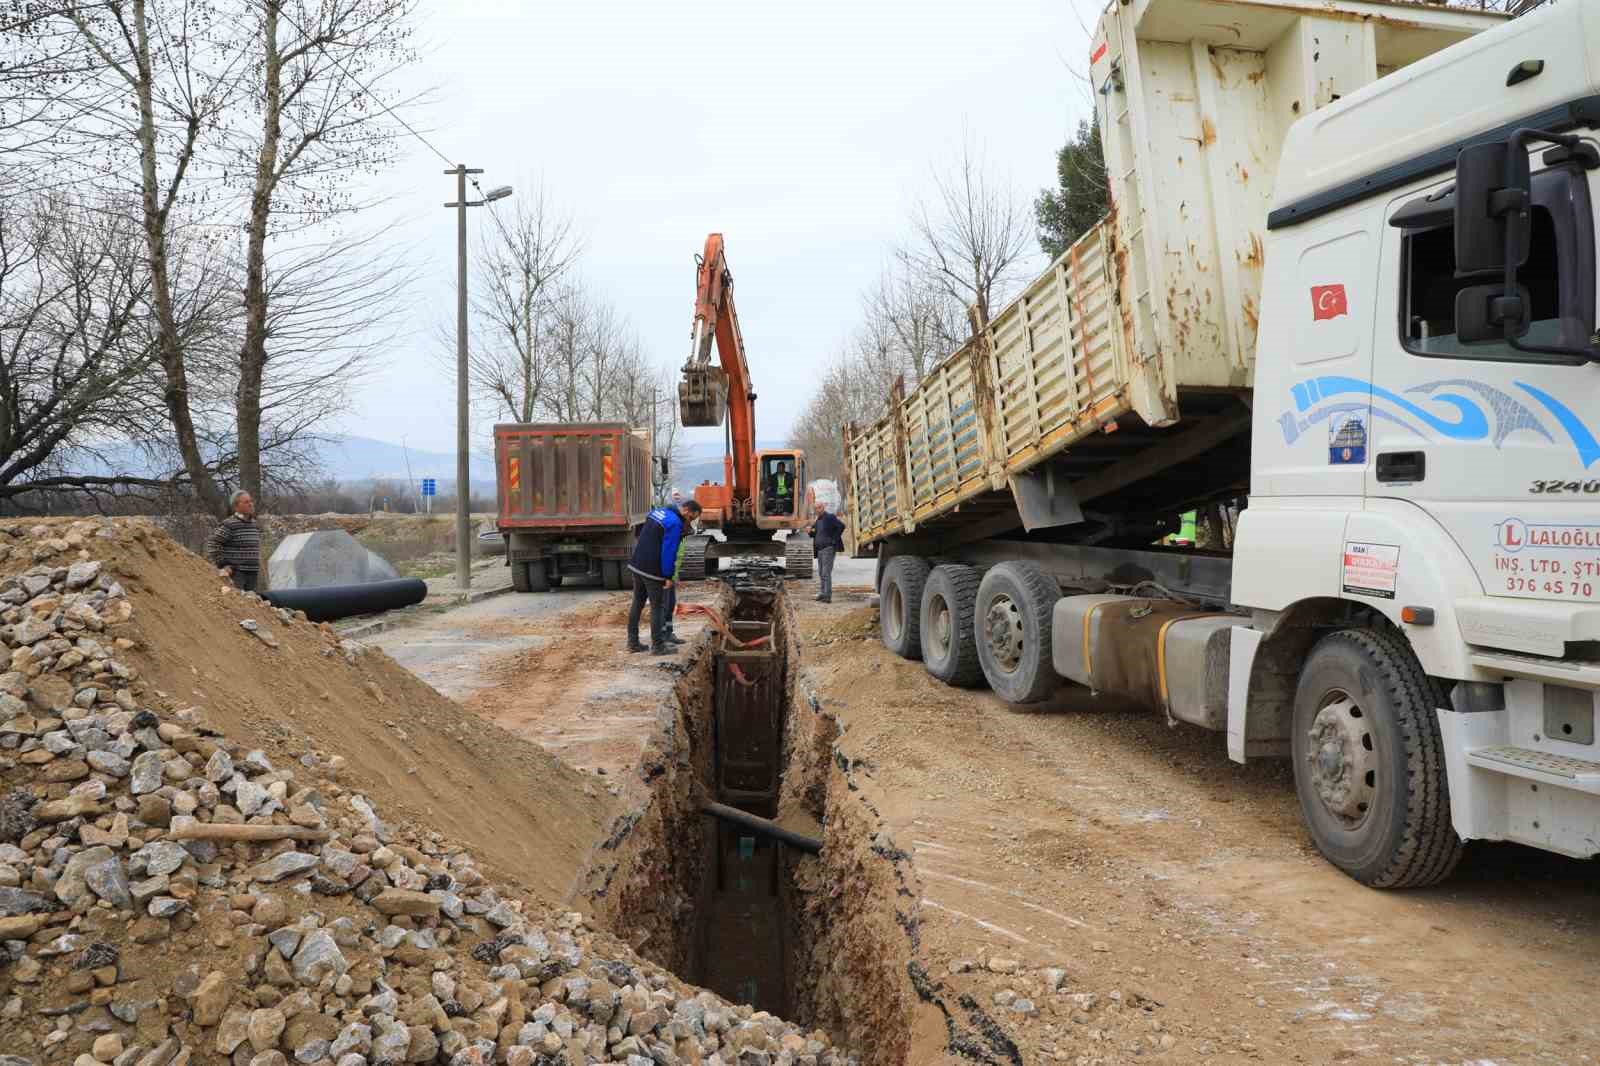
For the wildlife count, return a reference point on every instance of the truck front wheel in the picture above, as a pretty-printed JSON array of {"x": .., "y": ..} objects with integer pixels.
[
  {"x": 900, "y": 605},
  {"x": 949, "y": 646},
  {"x": 1012, "y": 619},
  {"x": 1369, "y": 763}
]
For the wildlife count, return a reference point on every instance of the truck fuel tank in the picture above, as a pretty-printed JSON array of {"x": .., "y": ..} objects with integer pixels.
[{"x": 1158, "y": 652}]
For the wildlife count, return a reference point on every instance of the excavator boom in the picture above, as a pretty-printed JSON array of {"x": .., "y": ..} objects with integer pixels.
[
  {"x": 762, "y": 492},
  {"x": 706, "y": 391}
]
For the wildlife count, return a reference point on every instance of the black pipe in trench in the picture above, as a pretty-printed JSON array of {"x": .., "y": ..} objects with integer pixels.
[{"x": 762, "y": 826}]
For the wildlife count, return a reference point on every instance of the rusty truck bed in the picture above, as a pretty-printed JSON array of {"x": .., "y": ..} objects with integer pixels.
[
  {"x": 571, "y": 477},
  {"x": 1051, "y": 369},
  {"x": 1118, "y": 380}
]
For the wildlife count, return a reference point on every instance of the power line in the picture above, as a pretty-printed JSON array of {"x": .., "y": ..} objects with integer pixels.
[
  {"x": 391, "y": 112},
  {"x": 396, "y": 116}
]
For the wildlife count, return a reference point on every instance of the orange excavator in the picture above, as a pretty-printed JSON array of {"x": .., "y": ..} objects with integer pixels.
[{"x": 762, "y": 492}]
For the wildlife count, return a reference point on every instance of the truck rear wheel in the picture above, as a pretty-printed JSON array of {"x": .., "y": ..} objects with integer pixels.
[
  {"x": 1012, "y": 619},
  {"x": 530, "y": 576},
  {"x": 949, "y": 644},
  {"x": 611, "y": 574},
  {"x": 1369, "y": 762},
  {"x": 900, "y": 605},
  {"x": 798, "y": 554}
]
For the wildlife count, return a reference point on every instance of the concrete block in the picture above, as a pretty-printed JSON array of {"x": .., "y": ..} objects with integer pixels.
[{"x": 325, "y": 557}]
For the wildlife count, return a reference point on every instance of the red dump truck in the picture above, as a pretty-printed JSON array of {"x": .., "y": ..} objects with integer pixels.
[{"x": 571, "y": 497}]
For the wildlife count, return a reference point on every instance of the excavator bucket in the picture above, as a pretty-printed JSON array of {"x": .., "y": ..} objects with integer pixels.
[{"x": 702, "y": 395}]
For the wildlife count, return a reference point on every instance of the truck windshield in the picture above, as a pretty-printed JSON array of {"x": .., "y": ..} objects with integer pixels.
[{"x": 1559, "y": 276}]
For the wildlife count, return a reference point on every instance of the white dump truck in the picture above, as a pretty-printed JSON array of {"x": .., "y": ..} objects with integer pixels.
[{"x": 1346, "y": 292}]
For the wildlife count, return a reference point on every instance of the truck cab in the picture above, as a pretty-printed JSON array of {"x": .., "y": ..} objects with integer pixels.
[{"x": 1441, "y": 466}]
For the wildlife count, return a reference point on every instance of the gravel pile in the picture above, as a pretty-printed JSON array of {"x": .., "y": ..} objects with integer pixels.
[{"x": 169, "y": 898}]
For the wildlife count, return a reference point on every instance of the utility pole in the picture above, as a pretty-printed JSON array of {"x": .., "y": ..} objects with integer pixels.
[{"x": 463, "y": 471}]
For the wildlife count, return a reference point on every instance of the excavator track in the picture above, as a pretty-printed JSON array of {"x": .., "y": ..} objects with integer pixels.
[
  {"x": 798, "y": 554},
  {"x": 693, "y": 567}
]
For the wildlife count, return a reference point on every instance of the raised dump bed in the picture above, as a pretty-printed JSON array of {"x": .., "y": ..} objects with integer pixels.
[{"x": 1112, "y": 393}]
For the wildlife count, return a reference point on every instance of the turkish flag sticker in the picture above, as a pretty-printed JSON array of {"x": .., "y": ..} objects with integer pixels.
[{"x": 1328, "y": 301}]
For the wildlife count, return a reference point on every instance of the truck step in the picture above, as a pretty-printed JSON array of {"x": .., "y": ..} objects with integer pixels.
[{"x": 1581, "y": 775}]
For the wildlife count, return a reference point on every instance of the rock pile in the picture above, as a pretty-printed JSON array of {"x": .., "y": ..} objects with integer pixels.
[{"x": 167, "y": 897}]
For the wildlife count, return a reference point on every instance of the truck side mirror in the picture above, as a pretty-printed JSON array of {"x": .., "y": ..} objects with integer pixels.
[
  {"x": 1484, "y": 311},
  {"x": 1492, "y": 195}
]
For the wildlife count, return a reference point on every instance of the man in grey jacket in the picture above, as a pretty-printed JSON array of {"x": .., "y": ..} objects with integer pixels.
[
  {"x": 234, "y": 547},
  {"x": 827, "y": 534}
]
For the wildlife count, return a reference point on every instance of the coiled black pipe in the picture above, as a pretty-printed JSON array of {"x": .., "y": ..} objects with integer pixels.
[{"x": 330, "y": 603}]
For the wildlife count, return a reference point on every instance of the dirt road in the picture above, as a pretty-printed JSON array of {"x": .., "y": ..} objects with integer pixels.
[
  {"x": 1177, "y": 892},
  {"x": 1092, "y": 837},
  {"x": 550, "y": 667}
]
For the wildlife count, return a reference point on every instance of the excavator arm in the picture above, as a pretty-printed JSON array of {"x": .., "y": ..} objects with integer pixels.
[{"x": 705, "y": 391}]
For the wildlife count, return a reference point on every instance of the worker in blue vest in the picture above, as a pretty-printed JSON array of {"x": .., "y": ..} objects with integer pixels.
[{"x": 655, "y": 557}]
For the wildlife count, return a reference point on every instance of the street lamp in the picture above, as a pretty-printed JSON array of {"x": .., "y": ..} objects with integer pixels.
[{"x": 463, "y": 474}]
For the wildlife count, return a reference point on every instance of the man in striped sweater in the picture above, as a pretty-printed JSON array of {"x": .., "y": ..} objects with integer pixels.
[{"x": 234, "y": 547}]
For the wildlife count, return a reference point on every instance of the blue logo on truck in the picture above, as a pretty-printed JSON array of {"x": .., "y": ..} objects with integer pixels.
[
  {"x": 1347, "y": 439},
  {"x": 1488, "y": 414}
]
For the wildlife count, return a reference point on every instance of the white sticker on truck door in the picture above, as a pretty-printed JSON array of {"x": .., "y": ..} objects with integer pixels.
[{"x": 1371, "y": 569}]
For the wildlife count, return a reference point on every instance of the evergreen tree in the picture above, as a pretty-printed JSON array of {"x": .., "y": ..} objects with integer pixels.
[{"x": 1063, "y": 214}]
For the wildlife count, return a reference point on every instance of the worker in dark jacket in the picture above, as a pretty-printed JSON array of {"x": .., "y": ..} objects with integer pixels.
[
  {"x": 655, "y": 557},
  {"x": 234, "y": 547},
  {"x": 827, "y": 533}
]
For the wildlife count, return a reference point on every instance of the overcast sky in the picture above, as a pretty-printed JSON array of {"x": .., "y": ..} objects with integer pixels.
[{"x": 804, "y": 132}]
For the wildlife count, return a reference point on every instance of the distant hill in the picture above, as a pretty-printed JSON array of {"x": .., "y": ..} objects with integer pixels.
[
  {"x": 688, "y": 475},
  {"x": 355, "y": 459},
  {"x": 702, "y": 461},
  {"x": 349, "y": 458},
  {"x": 345, "y": 459}
]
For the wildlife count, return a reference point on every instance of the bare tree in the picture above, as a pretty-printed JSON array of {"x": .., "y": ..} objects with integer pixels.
[
  {"x": 332, "y": 306},
  {"x": 567, "y": 397},
  {"x": 851, "y": 391},
  {"x": 971, "y": 241},
  {"x": 69, "y": 295},
  {"x": 522, "y": 266},
  {"x": 910, "y": 323},
  {"x": 316, "y": 67},
  {"x": 81, "y": 385},
  {"x": 165, "y": 80},
  {"x": 666, "y": 430}
]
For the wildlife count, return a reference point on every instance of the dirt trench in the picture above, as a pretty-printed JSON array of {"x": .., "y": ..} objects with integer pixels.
[{"x": 830, "y": 941}]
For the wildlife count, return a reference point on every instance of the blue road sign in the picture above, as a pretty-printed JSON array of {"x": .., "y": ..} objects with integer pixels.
[{"x": 430, "y": 487}]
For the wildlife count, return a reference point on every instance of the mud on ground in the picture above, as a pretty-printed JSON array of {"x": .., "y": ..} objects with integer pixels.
[
  {"x": 575, "y": 690},
  {"x": 1186, "y": 911}
]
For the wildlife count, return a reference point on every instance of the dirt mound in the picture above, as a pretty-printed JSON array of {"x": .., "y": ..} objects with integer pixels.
[
  {"x": 169, "y": 895},
  {"x": 291, "y": 689},
  {"x": 860, "y": 624}
]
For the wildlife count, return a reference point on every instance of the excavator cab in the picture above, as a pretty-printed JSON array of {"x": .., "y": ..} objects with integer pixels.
[{"x": 780, "y": 489}]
